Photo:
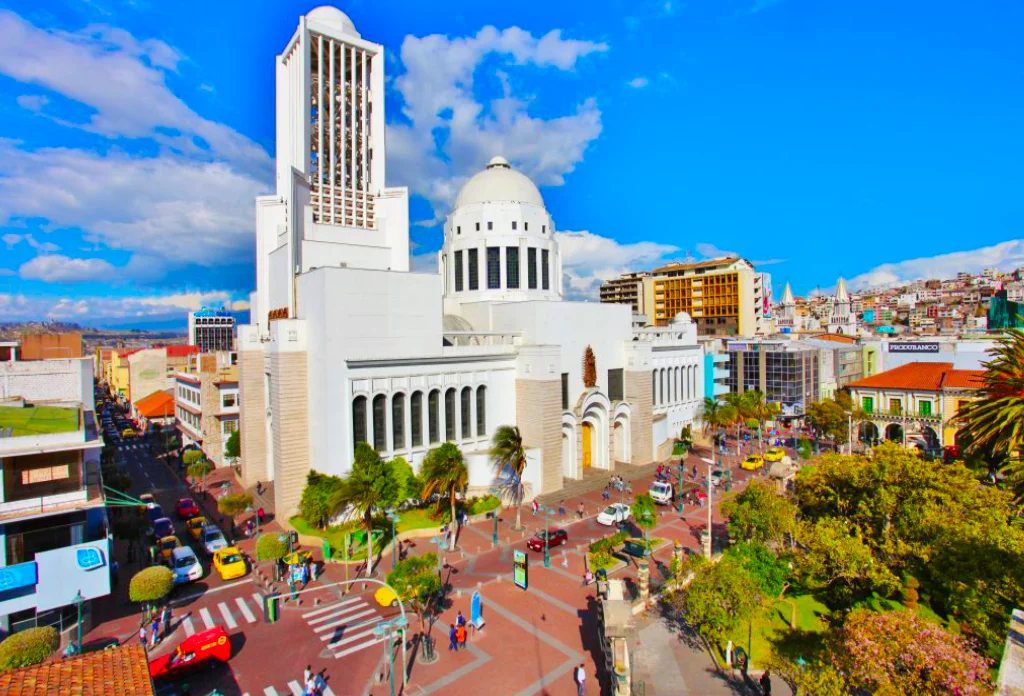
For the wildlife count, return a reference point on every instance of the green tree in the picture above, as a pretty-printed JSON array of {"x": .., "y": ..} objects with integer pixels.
[
  {"x": 234, "y": 504},
  {"x": 814, "y": 677},
  {"x": 409, "y": 485},
  {"x": 444, "y": 472},
  {"x": 233, "y": 447},
  {"x": 418, "y": 583},
  {"x": 720, "y": 597},
  {"x": 716, "y": 415},
  {"x": 150, "y": 585},
  {"x": 318, "y": 496},
  {"x": 837, "y": 561},
  {"x": 760, "y": 514},
  {"x": 769, "y": 570},
  {"x": 371, "y": 484},
  {"x": 29, "y": 647},
  {"x": 829, "y": 418},
  {"x": 508, "y": 455},
  {"x": 199, "y": 469},
  {"x": 759, "y": 409},
  {"x": 686, "y": 436},
  {"x": 270, "y": 547},
  {"x": 645, "y": 514},
  {"x": 192, "y": 456}
]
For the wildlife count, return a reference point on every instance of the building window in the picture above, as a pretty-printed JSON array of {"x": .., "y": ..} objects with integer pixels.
[
  {"x": 474, "y": 270},
  {"x": 526, "y": 227},
  {"x": 895, "y": 406},
  {"x": 513, "y": 224},
  {"x": 512, "y": 268},
  {"x": 867, "y": 404},
  {"x": 398, "y": 422},
  {"x": 229, "y": 426},
  {"x": 478, "y": 227},
  {"x": 229, "y": 400},
  {"x": 924, "y": 408},
  {"x": 380, "y": 429},
  {"x": 449, "y": 415},
  {"x": 416, "y": 416},
  {"x": 490, "y": 225},
  {"x": 458, "y": 230},
  {"x": 545, "y": 272},
  {"x": 493, "y": 268},
  {"x": 481, "y": 411},
  {"x": 531, "y": 268},
  {"x": 434, "y": 416},
  {"x": 467, "y": 420},
  {"x": 543, "y": 229},
  {"x": 458, "y": 271},
  {"x": 565, "y": 391},
  {"x": 358, "y": 420},
  {"x": 615, "y": 388}
]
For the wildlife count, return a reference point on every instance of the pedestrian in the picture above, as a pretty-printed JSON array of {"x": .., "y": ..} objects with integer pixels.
[
  {"x": 605, "y": 494},
  {"x": 460, "y": 635},
  {"x": 534, "y": 507},
  {"x": 561, "y": 509},
  {"x": 581, "y": 680},
  {"x": 580, "y": 511},
  {"x": 166, "y": 616},
  {"x": 453, "y": 643},
  {"x": 307, "y": 674},
  {"x": 114, "y": 567},
  {"x": 460, "y": 620},
  {"x": 260, "y": 515},
  {"x": 310, "y": 686},
  {"x": 154, "y": 635},
  {"x": 142, "y": 635},
  {"x": 259, "y": 488},
  {"x": 694, "y": 472},
  {"x": 766, "y": 683}
]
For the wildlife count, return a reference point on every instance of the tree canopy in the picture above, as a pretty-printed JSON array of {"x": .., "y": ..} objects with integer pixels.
[
  {"x": 151, "y": 584},
  {"x": 760, "y": 514},
  {"x": 416, "y": 579},
  {"x": 829, "y": 418},
  {"x": 318, "y": 497},
  {"x": 28, "y": 647},
  {"x": 720, "y": 597}
]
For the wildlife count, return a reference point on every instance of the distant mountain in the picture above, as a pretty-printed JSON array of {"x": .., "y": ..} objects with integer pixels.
[{"x": 178, "y": 323}]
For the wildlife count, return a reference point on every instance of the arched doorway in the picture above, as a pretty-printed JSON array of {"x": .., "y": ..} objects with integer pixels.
[
  {"x": 867, "y": 432},
  {"x": 894, "y": 431},
  {"x": 931, "y": 440},
  {"x": 588, "y": 446}
]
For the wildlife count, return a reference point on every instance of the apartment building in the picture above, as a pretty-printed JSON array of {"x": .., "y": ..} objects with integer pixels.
[
  {"x": 626, "y": 289},
  {"x": 207, "y": 404},
  {"x": 718, "y": 294},
  {"x": 211, "y": 330}
]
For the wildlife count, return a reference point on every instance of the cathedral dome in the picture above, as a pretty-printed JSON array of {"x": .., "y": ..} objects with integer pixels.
[
  {"x": 334, "y": 18},
  {"x": 499, "y": 183},
  {"x": 681, "y": 318}
]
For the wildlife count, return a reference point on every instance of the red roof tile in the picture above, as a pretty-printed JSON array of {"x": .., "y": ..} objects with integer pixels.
[
  {"x": 916, "y": 375},
  {"x": 123, "y": 670},
  {"x": 157, "y": 405},
  {"x": 180, "y": 351},
  {"x": 964, "y": 379},
  {"x": 837, "y": 338}
]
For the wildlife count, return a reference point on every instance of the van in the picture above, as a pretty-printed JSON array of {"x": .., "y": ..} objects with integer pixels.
[{"x": 662, "y": 492}]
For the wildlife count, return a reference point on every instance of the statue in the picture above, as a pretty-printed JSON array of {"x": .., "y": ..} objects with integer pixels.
[{"x": 589, "y": 368}]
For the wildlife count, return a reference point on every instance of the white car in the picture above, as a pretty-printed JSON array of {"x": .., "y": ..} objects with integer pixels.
[
  {"x": 213, "y": 539},
  {"x": 185, "y": 565},
  {"x": 662, "y": 492},
  {"x": 614, "y": 514}
]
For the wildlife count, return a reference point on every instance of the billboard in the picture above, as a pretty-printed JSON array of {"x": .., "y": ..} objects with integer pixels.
[
  {"x": 520, "y": 575},
  {"x": 915, "y": 347}
]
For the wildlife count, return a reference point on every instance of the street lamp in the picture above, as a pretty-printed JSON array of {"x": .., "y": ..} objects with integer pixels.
[
  {"x": 494, "y": 534},
  {"x": 386, "y": 630},
  {"x": 393, "y": 518},
  {"x": 441, "y": 542},
  {"x": 78, "y": 600},
  {"x": 546, "y": 511},
  {"x": 679, "y": 491},
  {"x": 711, "y": 464}
]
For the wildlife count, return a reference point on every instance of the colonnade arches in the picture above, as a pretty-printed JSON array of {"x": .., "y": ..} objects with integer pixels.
[{"x": 672, "y": 385}]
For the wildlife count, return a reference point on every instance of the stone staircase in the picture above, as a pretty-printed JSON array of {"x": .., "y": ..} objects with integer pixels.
[{"x": 595, "y": 480}]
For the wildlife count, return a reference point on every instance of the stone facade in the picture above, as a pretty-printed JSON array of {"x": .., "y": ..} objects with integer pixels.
[
  {"x": 638, "y": 394},
  {"x": 253, "y": 418},
  {"x": 290, "y": 412},
  {"x": 539, "y": 416}
]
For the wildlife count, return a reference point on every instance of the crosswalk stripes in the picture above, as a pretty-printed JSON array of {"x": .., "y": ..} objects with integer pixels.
[
  {"x": 228, "y": 618},
  {"x": 244, "y": 608},
  {"x": 190, "y": 630},
  {"x": 207, "y": 619},
  {"x": 295, "y": 688},
  {"x": 347, "y": 626},
  {"x": 258, "y": 598}
]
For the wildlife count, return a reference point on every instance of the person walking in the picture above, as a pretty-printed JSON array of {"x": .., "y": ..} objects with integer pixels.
[
  {"x": 142, "y": 635},
  {"x": 534, "y": 506},
  {"x": 580, "y": 511},
  {"x": 307, "y": 673},
  {"x": 166, "y": 617},
  {"x": 766, "y": 683},
  {"x": 694, "y": 472},
  {"x": 460, "y": 635},
  {"x": 453, "y": 643},
  {"x": 581, "y": 680},
  {"x": 460, "y": 620},
  {"x": 154, "y": 634}
]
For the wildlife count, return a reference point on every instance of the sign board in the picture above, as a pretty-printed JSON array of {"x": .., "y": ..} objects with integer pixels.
[
  {"x": 904, "y": 347},
  {"x": 16, "y": 576},
  {"x": 476, "y": 616},
  {"x": 520, "y": 575}
]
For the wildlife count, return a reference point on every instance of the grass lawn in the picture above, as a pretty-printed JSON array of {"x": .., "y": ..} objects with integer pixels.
[
  {"x": 679, "y": 450},
  {"x": 418, "y": 518},
  {"x": 39, "y": 420},
  {"x": 810, "y": 614},
  {"x": 924, "y": 611}
]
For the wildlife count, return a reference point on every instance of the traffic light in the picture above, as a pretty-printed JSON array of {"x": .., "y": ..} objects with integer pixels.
[{"x": 270, "y": 608}]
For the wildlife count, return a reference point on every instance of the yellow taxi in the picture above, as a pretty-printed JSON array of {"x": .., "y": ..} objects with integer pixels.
[
  {"x": 166, "y": 547},
  {"x": 127, "y": 433},
  {"x": 386, "y": 597},
  {"x": 752, "y": 463},
  {"x": 229, "y": 563},
  {"x": 195, "y": 527},
  {"x": 774, "y": 454}
]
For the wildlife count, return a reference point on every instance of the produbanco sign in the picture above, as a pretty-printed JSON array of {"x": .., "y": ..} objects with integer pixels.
[{"x": 905, "y": 347}]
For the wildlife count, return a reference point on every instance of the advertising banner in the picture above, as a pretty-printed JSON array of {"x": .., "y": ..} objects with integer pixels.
[
  {"x": 520, "y": 576},
  {"x": 904, "y": 347}
]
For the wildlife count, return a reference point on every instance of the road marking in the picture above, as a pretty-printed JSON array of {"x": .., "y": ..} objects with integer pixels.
[
  {"x": 357, "y": 648},
  {"x": 348, "y": 639},
  {"x": 207, "y": 619},
  {"x": 197, "y": 595},
  {"x": 270, "y": 691},
  {"x": 339, "y": 612},
  {"x": 342, "y": 622},
  {"x": 244, "y": 608},
  {"x": 259, "y": 600},
  {"x": 327, "y": 690},
  {"x": 296, "y": 689},
  {"x": 228, "y": 618},
  {"x": 190, "y": 630},
  {"x": 321, "y": 610}
]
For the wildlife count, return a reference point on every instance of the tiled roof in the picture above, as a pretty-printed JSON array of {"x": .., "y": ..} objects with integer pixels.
[
  {"x": 964, "y": 379},
  {"x": 123, "y": 670},
  {"x": 837, "y": 338},
  {"x": 157, "y": 405},
  {"x": 180, "y": 351},
  {"x": 923, "y": 376}
]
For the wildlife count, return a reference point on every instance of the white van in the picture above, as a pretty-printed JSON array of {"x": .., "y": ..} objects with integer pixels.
[{"x": 662, "y": 492}]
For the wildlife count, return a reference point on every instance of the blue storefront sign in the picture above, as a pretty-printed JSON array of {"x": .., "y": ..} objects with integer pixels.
[
  {"x": 17, "y": 576},
  {"x": 89, "y": 558}
]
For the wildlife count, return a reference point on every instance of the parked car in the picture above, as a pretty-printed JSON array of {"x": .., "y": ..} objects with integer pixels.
[
  {"x": 127, "y": 433},
  {"x": 195, "y": 527},
  {"x": 186, "y": 565},
  {"x": 213, "y": 539},
  {"x": 166, "y": 547},
  {"x": 662, "y": 492},
  {"x": 614, "y": 514},
  {"x": 774, "y": 454},
  {"x": 161, "y": 528},
  {"x": 716, "y": 477},
  {"x": 199, "y": 650},
  {"x": 154, "y": 512},
  {"x": 555, "y": 537},
  {"x": 229, "y": 563},
  {"x": 752, "y": 463},
  {"x": 186, "y": 508}
]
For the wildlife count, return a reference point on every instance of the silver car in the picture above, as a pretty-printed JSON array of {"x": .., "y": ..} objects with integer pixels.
[
  {"x": 213, "y": 539},
  {"x": 185, "y": 565}
]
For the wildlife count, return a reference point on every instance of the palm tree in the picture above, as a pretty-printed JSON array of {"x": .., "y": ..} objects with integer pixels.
[
  {"x": 739, "y": 410},
  {"x": 761, "y": 410},
  {"x": 369, "y": 485},
  {"x": 509, "y": 458},
  {"x": 444, "y": 472},
  {"x": 994, "y": 424}
]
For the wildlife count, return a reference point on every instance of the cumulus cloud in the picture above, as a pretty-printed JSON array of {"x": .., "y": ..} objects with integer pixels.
[
  {"x": 122, "y": 80},
  {"x": 589, "y": 259},
  {"x": 32, "y": 102},
  {"x": 711, "y": 251},
  {"x": 12, "y": 240},
  {"x": 1005, "y": 256},
  {"x": 89, "y": 310},
  {"x": 638, "y": 82},
  {"x": 56, "y": 268},
  {"x": 449, "y": 135}
]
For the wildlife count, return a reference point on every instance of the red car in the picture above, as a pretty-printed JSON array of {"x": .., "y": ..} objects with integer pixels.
[
  {"x": 556, "y": 537},
  {"x": 186, "y": 509},
  {"x": 194, "y": 652}
]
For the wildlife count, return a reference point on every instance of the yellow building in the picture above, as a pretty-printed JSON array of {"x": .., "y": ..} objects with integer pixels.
[
  {"x": 722, "y": 296},
  {"x": 117, "y": 377}
]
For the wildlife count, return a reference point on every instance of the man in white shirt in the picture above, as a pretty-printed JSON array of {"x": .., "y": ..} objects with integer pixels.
[{"x": 581, "y": 680}]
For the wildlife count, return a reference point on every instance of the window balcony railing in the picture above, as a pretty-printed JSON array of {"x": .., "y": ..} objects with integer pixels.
[{"x": 90, "y": 494}]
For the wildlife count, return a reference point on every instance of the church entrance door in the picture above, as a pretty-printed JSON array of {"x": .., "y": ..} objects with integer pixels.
[{"x": 588, "y": 433}]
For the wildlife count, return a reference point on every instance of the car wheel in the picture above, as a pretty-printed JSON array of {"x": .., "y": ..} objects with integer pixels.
[{"x": 394, "y": 602}]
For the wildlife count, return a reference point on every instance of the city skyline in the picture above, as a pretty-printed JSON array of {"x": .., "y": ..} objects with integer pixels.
[{"x": 129, "y": 198}]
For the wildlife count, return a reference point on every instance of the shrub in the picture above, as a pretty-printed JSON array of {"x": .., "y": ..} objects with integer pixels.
[
  {"x": 910, "y": 598},
  {"x": 269, "y": 547},
  {"x": 321, "y": 490},
  {"x": 607, "y": 544},
  {"x": 151, "y": 584},
  {"x": 28, "y": 647},
  {"x": 192, "y": 456},
  {"x": 234, "y": 504}
]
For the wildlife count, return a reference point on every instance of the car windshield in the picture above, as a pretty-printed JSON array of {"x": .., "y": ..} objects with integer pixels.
[
  {"x": 233, "y": 558},
  {"x": 185, "y": 562},
  {"x": 659, "y": 485},
  {"x": 169, "y": 544},
  {"x": 611, "y": 511},
  {"x": 214, "y": 536},
  {"x": 186, "y": 502}
]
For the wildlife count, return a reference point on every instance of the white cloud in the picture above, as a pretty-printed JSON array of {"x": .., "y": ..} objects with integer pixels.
[
  {"x": 149, "y": 206},
  {"x": 437, "y": 91},
  {"x": 711, "y": 251},
  {"x": 56, "y": 268},
  {"x": 638, "y": 82},
  {"x": 32, "y": 102},
  {"x": 767, "y": 262},
  {"x": 88, "y": 310},
  {"x": 1005, "y": 256},
  {"x": 588, "y": 259},
  {"x": 122, "y": 79},
  {"x": 11, "y": 240}
]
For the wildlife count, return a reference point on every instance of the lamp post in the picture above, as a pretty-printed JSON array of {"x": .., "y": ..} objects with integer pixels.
[
  {"x": 441, "y": 546},
  {"x": 546, "y": 511},
  {"x": 78, "y": 599},
  {"x": 679, "y": 491},
  {"x": 711, "y": 464},
  {"x": 494, "y": 534},
  {"x": 386, "y": 630},
  {"x": 393, "y": 518}
]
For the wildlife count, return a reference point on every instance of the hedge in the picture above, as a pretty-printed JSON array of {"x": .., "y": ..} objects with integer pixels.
[
  {"x": 608, "y": 543},
  {"x": 234, "y": 503},
  {"x": 269, "y": 547},
  {"x": 28, "y": 647},
  {"x": 151, "y": 584}
]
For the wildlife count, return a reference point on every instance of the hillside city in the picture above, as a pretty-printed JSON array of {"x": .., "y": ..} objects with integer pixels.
[{"x": 382, "y": 479}]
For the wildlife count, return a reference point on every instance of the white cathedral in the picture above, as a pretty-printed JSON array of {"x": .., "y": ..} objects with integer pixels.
[{"x": 347, "y": 345}]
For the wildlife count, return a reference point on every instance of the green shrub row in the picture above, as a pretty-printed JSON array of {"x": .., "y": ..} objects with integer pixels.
[{"x": 607, "y": 544}]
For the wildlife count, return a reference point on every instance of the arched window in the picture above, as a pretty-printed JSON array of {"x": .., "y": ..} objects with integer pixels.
[
  {"x": 434, "y": 419},
  {"x": 398, "y": 422},
  {"x": 416, "y": 416},
  {"x": 675, "y": 384},
  {"x": 358, "y": 420},
  {"x": 663, "y": 385},
  {"x": 467, "y": 419},
  {"x": 694, "y": 387},
  {"x": 481, "y": 411},
  {"x": 654, "y": 388},
  {"x": 380, "y": 427},
  {"x": 449, "y": 415}
]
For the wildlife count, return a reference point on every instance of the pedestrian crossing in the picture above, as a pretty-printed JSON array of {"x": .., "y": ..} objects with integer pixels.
[
  {"x": 295, "y": 689},
  {"x": 346, "y": 626},
  {"x": 225, "y": 615}
]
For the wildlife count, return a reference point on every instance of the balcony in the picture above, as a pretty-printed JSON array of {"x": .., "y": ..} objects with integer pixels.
[{"x": 47, "y": 493}]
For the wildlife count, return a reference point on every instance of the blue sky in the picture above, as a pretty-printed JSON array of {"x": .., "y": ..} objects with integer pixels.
[{"x": 881, "y": 141}]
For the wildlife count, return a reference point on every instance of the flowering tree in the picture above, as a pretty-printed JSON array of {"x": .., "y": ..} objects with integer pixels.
[{"x": 898, "y": 652}]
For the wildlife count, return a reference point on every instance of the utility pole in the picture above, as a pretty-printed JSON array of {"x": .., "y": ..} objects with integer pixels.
[
  {"x": 849, "y": 432},
  {"x": 707, "y": 539}
]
